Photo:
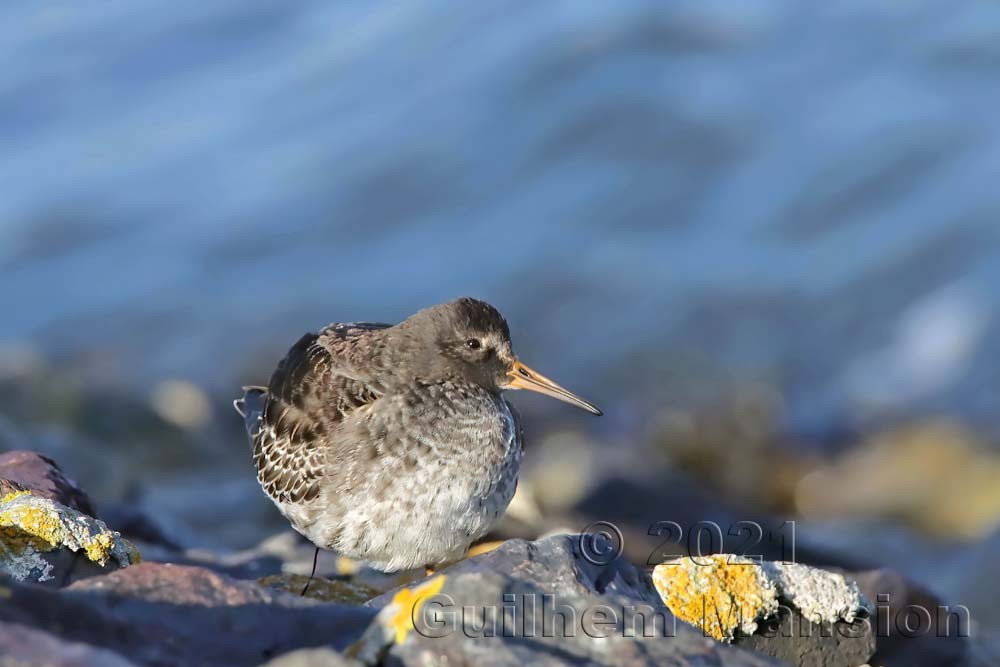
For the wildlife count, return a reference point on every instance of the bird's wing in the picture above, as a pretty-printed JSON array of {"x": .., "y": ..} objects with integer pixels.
[{"x": 315, "y": 387}]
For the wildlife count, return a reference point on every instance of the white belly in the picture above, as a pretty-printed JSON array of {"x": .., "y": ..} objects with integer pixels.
[{"x": 428, "y": 510}]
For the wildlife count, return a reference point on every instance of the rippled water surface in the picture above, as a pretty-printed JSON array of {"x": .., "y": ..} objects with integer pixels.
[{"x": 662, "y": 197}]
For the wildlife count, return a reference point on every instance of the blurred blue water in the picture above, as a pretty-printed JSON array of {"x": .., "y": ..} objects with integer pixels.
[{"x": 664, "y": 198}]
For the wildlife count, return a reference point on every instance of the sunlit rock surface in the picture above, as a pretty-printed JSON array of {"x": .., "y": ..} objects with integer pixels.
[
  {"x": 541, "y": 602},
  {"x": 32, "y": 528},
  {"x": 805, "y": 615}
]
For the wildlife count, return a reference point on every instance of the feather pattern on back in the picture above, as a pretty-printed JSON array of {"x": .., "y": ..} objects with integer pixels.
[{"x": 310, "y": 392}]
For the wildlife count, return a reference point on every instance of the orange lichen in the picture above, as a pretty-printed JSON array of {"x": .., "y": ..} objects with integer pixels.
[
  {"x": 406, "y": 605},
  {"x": 719, "y": 593}
]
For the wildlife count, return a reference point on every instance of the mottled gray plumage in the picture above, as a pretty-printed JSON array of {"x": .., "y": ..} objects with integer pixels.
[{"x": 393, "y": 444}]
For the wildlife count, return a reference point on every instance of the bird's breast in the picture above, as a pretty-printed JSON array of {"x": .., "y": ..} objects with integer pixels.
[{"x": 463, "y": 443}]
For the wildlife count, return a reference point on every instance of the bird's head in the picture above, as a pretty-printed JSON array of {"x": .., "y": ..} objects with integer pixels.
[{"x": 469, "y": 340}]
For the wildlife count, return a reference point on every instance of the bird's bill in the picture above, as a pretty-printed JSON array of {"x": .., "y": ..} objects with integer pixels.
[{"x": 522, "y": 377}]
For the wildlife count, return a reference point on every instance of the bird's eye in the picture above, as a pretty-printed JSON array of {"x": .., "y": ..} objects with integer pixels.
[{"x": 473, "y": 344}]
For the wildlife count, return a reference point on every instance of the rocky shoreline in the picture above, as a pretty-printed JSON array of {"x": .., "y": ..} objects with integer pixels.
[{"x": 76, "y": 591}]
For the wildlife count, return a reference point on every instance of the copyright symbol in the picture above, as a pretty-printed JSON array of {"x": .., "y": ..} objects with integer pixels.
[{"x": 601, "y": 543}]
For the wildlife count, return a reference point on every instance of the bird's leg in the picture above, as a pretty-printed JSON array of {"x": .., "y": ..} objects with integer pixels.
[{"x": 311, "y": 574}]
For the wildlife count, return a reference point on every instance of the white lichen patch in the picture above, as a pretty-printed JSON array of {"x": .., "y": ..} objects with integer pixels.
[
  {"x": 819, "y": 595},
  {"x": 724, "y": 593},
  {"x": 31, "y": 526}
]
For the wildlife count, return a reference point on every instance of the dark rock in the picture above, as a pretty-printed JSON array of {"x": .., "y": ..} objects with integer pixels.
[
  {"x": 559, "y": 565},
  {"x": 22, "y": 645},
  {"x": 42, "y": 476},
  {"x": 320, "y": 588},
  {"x": 797, "y": 640},
  {"x": 938, "y": 634},
  {"x": 180, "y": 615},
  {"x": 538, "y": 603}
]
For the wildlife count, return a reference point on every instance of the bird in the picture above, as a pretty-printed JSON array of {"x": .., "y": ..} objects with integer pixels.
[{"x": 394, "y": 445}]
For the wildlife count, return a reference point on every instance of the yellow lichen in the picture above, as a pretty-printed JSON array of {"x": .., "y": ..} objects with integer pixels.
[
  {"x": 98, "y": 549},
  {"x": 719, "y": 593},
  {"x": 13, "y": 494},
  {"x": 25, "y": 526},
  {"x": 406, "y": 605},
  {"x": 31, "y": 525}
]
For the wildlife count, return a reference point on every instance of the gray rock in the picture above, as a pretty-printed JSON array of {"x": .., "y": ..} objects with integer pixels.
[
  {"x": 793, "y": 638},
  {"x": 538, "y": 603},
  {"x": 22, "y": 645},
  {"x": 947, "y": 637},
  {"x": 558, "y": 564},
  {"x": 168, "y": 615}
]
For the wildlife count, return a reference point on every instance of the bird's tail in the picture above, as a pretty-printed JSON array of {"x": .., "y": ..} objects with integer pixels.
[{"x": 251, "y": 407}]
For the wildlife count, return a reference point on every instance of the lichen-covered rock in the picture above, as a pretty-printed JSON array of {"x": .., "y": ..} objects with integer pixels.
[
  {"x": 559, "y": 563},
  {"x": 724, "y": 593},
  {"x": 397, "y": 619},
  {"x": 720, "y": 594},
  {"x": 541, "y": 602},
  {"x": 802, "y": 615},
  {"x": 819, "y": 595},
  {"x": 33, "y": 530}
]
